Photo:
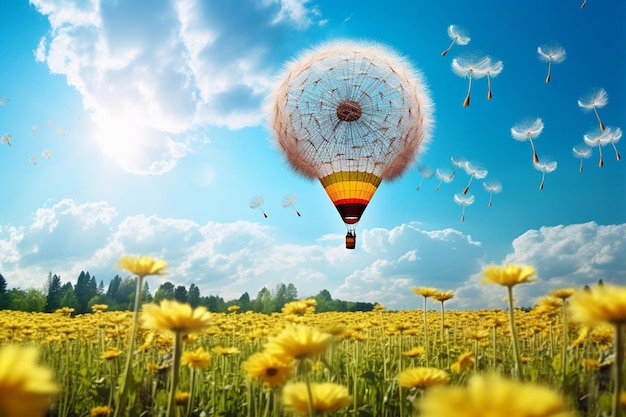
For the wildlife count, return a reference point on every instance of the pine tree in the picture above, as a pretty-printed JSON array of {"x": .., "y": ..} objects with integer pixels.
[{"x": 55, "y": 293}]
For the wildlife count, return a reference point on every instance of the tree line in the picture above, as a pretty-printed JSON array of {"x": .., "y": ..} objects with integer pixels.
[{"x": 120, "y": 295}]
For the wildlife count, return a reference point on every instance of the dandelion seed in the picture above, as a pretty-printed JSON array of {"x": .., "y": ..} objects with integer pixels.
[
  {"x": 444, "y": 176},
  {"x": 60, "y": 131},
  {"x": 290, "y": 201},
  {"x": 474, "y": 171},
  {"x": 463, "y": 200},
  {"x": 551, "y": 54},
  {"x": 544, "y": 166},
  {"x": 426, "y": 173},
  {"x": 33, "y": 160},
  {"x": 594, "y": 102},
  {"x": 493, "y": 69},
  {"x": 603, "y": 138},
  {"x": 257, "y": 202},
  {"x": 46, "y": 153},
  {"x": 471, "y": 67},
  {"x": 492, "y": 186},
  {"x": 6, "y": 139},
  {"x": 33, "y": 130},
  {"x": 458, "y": 36},
  {"x": 4, "y": 100},
  {"x": 581, "y": 152},
  {"x": 528, "y": 129},
  {"x": 50, "y": 122}
]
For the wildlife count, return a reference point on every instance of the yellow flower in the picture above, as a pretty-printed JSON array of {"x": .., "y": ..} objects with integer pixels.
[
  {"x": 493, "y": 395},
  {"x": 443, "y": 296},
  {"x": 425, "y": 292},
  {"x": 198, "y": 358},
  {"x": 299, "y": 308},
  {"x": 327, "y": 397},
  {"x": 181, "y": 398},
  {"x": 603, "y": 303},
  {"x": 176, "y": 317},
  {"x": 100, "y": 411},
  {"x": 563, "y": 293},
  {"x": 271, "y": 370},
  {"x": 299, "y": 342},
  {"x": 422, "y": 377},
  {"x": 25, "y": 386},
  {"x": 110, "y": 353},
  {"x": 233, "y": 308},
  {"x": 99, "y": 307},
  {"x": 416, "y": 351},
  {"x": 509, "y": 275},
  {"x": 463, "y": 363},
  {"x": 226, "y": 351},
  {"x": 142, "y": 266}
]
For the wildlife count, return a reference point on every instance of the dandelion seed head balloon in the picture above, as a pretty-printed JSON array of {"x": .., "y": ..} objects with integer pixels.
[{"x": 351, "y": 114}]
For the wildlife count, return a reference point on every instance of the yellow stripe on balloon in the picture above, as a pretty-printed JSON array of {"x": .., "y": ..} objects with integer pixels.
[{"x": 350, "y": 185}]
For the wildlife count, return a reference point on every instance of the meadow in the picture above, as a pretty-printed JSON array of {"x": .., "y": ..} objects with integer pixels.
[{"x": 563, "y": 357}]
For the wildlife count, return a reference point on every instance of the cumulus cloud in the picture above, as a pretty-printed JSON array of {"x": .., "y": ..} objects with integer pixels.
[
  {"x": 149, "y": 76},
  {"x": 228, "y": 259},
  {"x": 564, "y": 256}
]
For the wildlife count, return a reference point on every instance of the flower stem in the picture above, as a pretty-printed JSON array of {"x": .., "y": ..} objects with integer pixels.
[
  {"x": 171, "y": 404},
  {"x": 518, "y": 363},
  {"x": 120, "y": 408},
  {"x": 619, "y": 369}
]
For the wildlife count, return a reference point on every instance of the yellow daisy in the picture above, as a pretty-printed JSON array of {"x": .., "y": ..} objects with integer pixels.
[
  {"x": 416, "y": 351},
  {"x": 25, "y": 386},
  {"x": 463, "y": 363},
  {"x": 225, "y": 351},
  {"x": 425, "y": 292},
  {"x": 271, "y": 370},
  {"x": 198, "y": 358},
  {"x": 509, "y": 275},
  {"x": 422, "y": 377},
  {"x": 176, "y": 317},
  {"x": 603, "y": 303},
  {"x": 299, "y": 342},
  {"x": 142, "y": 266},
  {"x": 100, "y": 411},
  {"x": 110, "y": 353},
  {"x": 327, "y": 397},
  {"x": 493, "y": 395},
  {"x": 443, "y": 296}
]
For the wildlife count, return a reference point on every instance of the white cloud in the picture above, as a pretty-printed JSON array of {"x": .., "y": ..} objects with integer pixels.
[
  {"x": 150, "y": 76},
  {"x": 564, "y": 256},
  {"x": 228, "y": 259}
]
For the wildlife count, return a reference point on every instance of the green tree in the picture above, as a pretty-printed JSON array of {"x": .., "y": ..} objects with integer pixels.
[
  {"x": 180, "y": 294},
  {"x": 164, "y": 292},
  {"x": 30, "y": 300},
  {"x": 125, "y": 295},
  {"x": 292, "y": 293},
  {"x": 193, "y": 296},
  {"x": 85, "y": 289},
  {"x": 263, "y": 301},
  {"x": 55, "y": 293},
  {"x": 114, "y": 285},
  {"x": 69, "y": 298},
  {"x": 244, "y": 302},
  {"x": 4, "y": 294}
]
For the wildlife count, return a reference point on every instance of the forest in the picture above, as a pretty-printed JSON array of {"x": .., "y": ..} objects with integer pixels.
[{"x": 120, "y": 295}]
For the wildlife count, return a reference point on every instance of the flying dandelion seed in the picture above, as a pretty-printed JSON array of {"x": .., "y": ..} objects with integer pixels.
[
  {"x": 594, "y": 102},
  {"x": 545, "y": 166},
  {"x": 584, "y": 3},
  {"x": 602, "y": 138},
  {"x": 60, "y": 131},
  {"x": 33, "y": 130},
  {"x": 581, "y": 152},
  {"x": 351, "y": 114},
  {"x": 444, "y": 176},
  {"x": 471, "y": 67},
  {"x": 6, "y": 139},
  {"x": 474, "y": 171},
  {"x": 528, "y": 129},
  {"x": 493, "y": 70},
  {"x": 257, "y": 202},
  {"x": 458, "y": 37},
  {"x": 551, "y": 54},
  {"x": 50, "y": 122},
  {"x": 290, "y": 201},
  {"x": 46, "y": 153},
  {"x": 4, "y": 100},
  {"x": 425, "y": 173},
  {"x": 463, "y": 200},
  {"x": 33, "y": 160},
  {"x": 492, "y": 187},
  {"x": 458, "y": 162}
]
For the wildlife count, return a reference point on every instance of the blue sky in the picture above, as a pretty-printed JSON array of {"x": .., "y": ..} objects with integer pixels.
[{"x": 155, "y": 119}]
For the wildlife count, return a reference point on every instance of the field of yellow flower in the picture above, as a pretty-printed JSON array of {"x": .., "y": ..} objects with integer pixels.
[{"x": 564, "y": 358}]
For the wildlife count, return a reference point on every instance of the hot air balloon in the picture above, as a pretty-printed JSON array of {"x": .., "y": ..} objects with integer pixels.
[{"x": 351, "y": 114}]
